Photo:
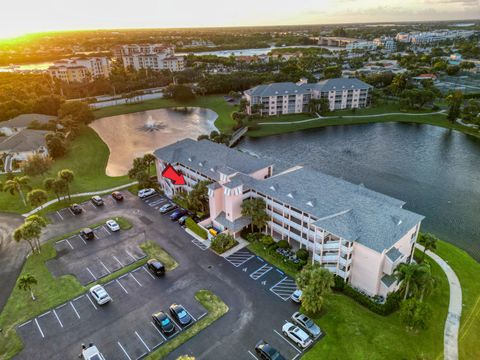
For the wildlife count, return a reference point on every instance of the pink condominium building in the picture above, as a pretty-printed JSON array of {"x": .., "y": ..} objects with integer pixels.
[{"x": 356, "y": 233}]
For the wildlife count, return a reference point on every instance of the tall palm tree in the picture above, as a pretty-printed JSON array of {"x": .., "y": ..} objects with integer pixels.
[
  {"x": 26, "y": 282},
  {"x": 424, "y": 280},
  {"x": 149, "y": 160},
  {"x": 18, "y": 235},
  {"x": 429, "y": 242},
  {"x": 67, "y": 175},
  {"x": 17, "y": 185},
  {"x": 406, "y": 274}
]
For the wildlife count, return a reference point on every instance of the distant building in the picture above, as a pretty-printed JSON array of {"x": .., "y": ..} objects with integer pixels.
[
  {"x": 21, "y": 122},
  {"x": 80, "y": 69},
  {"x": 24, "y": 143},
  {"x": 149, "y": 56},
  {"x": 385, "y": 42},
  {"x": 291, "y": 98},
  {"x": 427, "y": 37},
  {"x": 347, "y": 43}
]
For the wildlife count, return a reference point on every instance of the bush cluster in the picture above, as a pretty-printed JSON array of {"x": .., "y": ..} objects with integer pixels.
[{"x": 223, "y": 242}]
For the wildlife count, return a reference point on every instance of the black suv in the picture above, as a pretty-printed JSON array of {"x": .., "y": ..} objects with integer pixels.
[
  {"x": 87, "y": 234},
  {"x": 156, "y": 267},
  {"x": 76, "y": 209}
]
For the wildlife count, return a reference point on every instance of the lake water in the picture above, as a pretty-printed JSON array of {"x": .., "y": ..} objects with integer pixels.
[
  {"x": 132, "y": 135},
  {"x": 435, "y": 170}
]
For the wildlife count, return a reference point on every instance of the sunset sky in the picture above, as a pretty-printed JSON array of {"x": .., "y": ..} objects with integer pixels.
[{"x": 26, "y": 16}]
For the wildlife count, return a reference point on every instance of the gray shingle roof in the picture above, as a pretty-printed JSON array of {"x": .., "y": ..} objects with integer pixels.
[
  {"x": 211, "y": 156},
  {"x": 237, "y": 225},
  {"x": 340, "y": 84},
  {"x": 25, "y": 140},
  {"x": 26, "y": 119}
]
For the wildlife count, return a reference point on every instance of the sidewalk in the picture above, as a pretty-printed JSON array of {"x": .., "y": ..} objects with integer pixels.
[
  {"x": 452, "y": 324},
  {"x": 241, "y": 244}
]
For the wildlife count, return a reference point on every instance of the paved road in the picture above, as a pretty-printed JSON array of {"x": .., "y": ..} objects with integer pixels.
[
  {"x": 255, "y": 312},
  {"x": 452, "y": 324}
]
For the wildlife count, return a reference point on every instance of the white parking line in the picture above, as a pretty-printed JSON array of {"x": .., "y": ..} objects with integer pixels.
[
  {"x": 201, "y": 316},
  {"x": 289, "y": 343},
  {"x": 91, "y": 302},
  {"x": 252, "y": 355},
  {"x": 25, "y": 323},
  {"x": 83, "y": 240},
  {"x": 94, "y": 278},
  {"x": 74, "y": 309},
  {"x": 58, "y": 319},
  {"x": 48, "y": 312},
  {"x": 133, "y": 257},
  {"x": 68, "y": 242},
  {"x": 105, "y": 228},
  {"x": 134, "y": 278},
  {"x": 117, "y": 260},
  {"x": 148, "y": 272},
  {"x": 122, "y": 287},
  {"x": 60, "y": 306},
  {"x": 60, "y": 216},
  {"x": 39, "y": 328},
  {"x": 156, "y": 328},
  {"x": 143, "y": 342},
  {"x": 296, "y": 356},
  {"x": 190, "y": 315},
  {"x": 101, "y": 262},
  {"x": 126, "y": 354},
  {"x": 78, "y": 297},
  {"x": 179, "y": 327},
  {"x": 257, "y": 274}
]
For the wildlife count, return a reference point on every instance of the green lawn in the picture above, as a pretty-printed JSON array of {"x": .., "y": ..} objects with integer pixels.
[
  {"x": 51, "y": 291},
  {"x": 347, "y": 117},
  {"x": 87, "y": 157},
  {"x": 216, "y": 309},
  {"x": 214, "y": 102}
]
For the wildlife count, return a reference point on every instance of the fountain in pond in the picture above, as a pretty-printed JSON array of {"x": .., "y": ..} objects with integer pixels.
[{"x": 152, "y": 125}]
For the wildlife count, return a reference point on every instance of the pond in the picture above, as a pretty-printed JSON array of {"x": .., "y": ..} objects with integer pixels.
[
  {"x": 435, "y": 170},
  {"x": 132, "y": 135}
]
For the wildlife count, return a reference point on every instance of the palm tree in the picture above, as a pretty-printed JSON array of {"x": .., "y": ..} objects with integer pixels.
[
  {"x": 37, "y": 197},
  {"x": 18, "y": 235},
  {"x": 255, "y": 209},
  {"x": 17, "y": 185},
  {"x": 406, "y": 274},
  {"x": 424, "y": 280},
  {"x": 33, "y": 227},
  {"x": 429, "y": 242},
  {"x": 26, "y": 282},
  {"x": 149, "y": 160},
  {"x": 48, "y": 185},
  {"x": 67, "y": 175}
]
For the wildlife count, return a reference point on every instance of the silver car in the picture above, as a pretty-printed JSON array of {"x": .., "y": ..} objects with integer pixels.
[
  {"x": 100, "y": 294},
  {"x": 297, "y": 335},
  {"x": 307, "y": 324}
]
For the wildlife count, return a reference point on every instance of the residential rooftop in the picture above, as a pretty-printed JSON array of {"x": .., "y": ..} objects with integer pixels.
[
  {"x": 24, "y": 140},
  {"x": 24, "y": 120}
]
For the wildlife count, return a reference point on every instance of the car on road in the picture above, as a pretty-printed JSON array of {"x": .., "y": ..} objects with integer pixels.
[
  {"x": 117, "y": 195},
  {"x": 97, "y": 200},
  {"x": 76, "y": 209},
  {"x": 182, "y": 220},
  {"x": 100, "y": 295},
  {"x": 143, "y": 193},
  {"x": 163, "y": 322},
  {"x": 297, "y": 335},
  {"x": 177, "y": 214},
  {"x": 267, "y": 352},
  {"x": 156, "y": 267},
  {"x": 180, "y": 314},
  {"x": 92, "y": 353},
  {"x": 297, "y": 296},
  {"x": 167, "y": 208},
  {"x": 87, "y": 234},
  {"x": 306, "y": 324},
  {"x": 112, "y": 225}
]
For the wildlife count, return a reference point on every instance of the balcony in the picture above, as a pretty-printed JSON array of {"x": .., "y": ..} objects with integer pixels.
[{"x": 331, "y": 245}]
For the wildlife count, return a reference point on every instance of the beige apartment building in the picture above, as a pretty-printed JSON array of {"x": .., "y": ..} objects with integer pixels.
[
  {"x": 80, "y": 69},
  {"x": 356, "y": 233},
  {"x": 149, "y": 56}
]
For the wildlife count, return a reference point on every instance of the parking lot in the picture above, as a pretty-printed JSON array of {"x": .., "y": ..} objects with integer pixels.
[
  {"x": 90, "y": 260},
  {"x": 263, "y": 274},
  {"x": 122, "y": 329}
]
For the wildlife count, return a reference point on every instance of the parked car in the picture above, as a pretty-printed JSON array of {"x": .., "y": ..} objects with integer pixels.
[
  {"x": 307, "y": 324},
  {"x": 182, "y": 220},
  {"x": 167, "y": 208},
  {"x": 145, "y": 192},
  {"x": 76, "y": 209},
  {"x": 156, "y": 267},
  {"x": 91, "y": 353},
  {"x": 177, "y": 214},
  {"x": 164, "y": 323},
  {"x": 100, "y": 295},
  {"x": 297, "y": 296},
  {"x": 112, "y": 225},
  {"x": 87, "y": 234},
  {"x": 267, "y": 352},
  {"x": 180, "y": 314},
  {"x": 297, "y": 335},
  {"x": 117, "y": 195},
  {"x": 97, "y": 200}
]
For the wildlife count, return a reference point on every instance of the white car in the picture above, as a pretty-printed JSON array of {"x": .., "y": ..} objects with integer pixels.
[
  {"x": 145, "y": 192},
  {"x": 297, "y": 335},
  {"x": 100, "y": 294},
  {"x": 112, "y": 225},
  {"x": 297, "y": 296},
  {"x": 92, "y": 353}
]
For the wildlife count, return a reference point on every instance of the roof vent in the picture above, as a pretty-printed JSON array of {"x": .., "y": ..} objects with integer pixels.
[
  {"x": 290, "y": 195},
  {"x": 212, "y": 169},
  {"x": 309, "y": 203},
  {"x": 190, "y": 159},
  {"x": 200, "y": 164},
  {"x": 273, "y": 188}
]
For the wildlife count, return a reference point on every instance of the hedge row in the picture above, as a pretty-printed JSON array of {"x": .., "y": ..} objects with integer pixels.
[{"x": 192, "y": 225}]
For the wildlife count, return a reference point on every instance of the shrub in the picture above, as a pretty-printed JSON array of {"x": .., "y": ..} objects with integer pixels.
[
  {"x": 223, "y": 242},
  {"x": 302, "y": 254},
  {"x": 339, "y": 283},
  {"x": 283, "y": 244},
  {"x": 192, "y": 225},
  {"x": 267, "y": 240},
  {"x": 391, "y": 304}
]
